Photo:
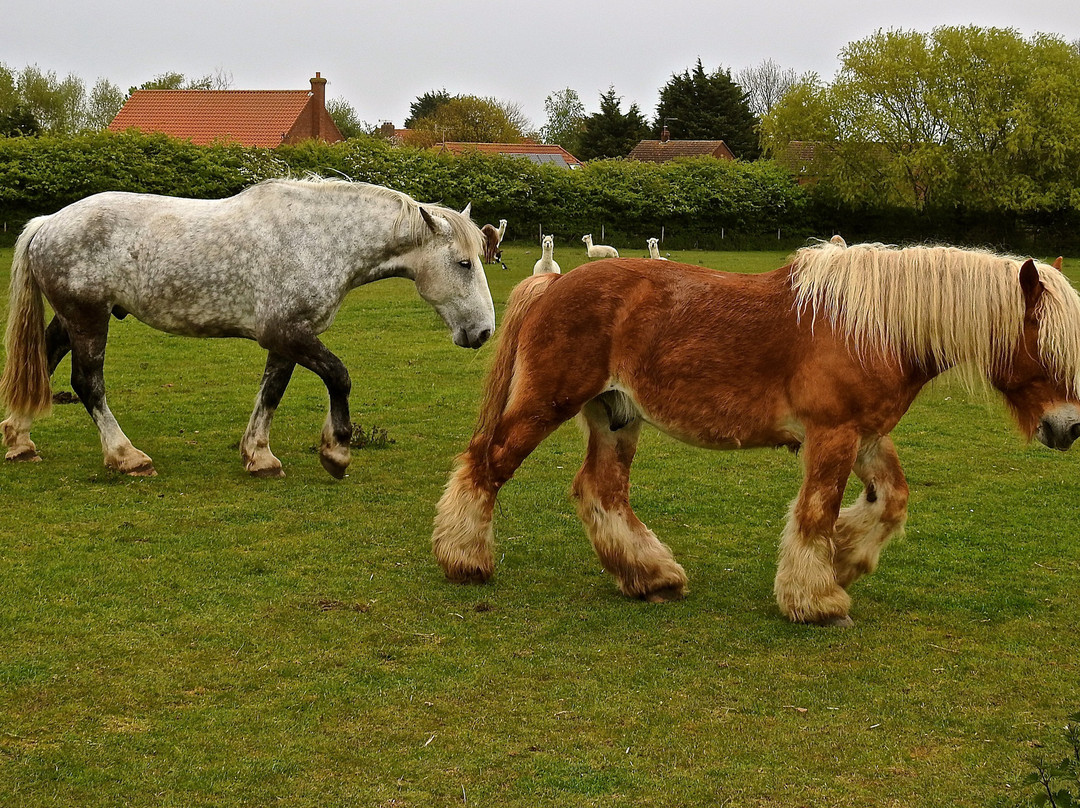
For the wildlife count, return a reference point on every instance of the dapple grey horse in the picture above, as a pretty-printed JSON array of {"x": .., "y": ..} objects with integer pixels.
[{"x": 271, "y": 264}]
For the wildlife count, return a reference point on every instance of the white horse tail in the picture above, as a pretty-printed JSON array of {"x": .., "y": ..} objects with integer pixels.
[
  {"x": 499, "y": 378},
  {"x": 25, "y": 387}
]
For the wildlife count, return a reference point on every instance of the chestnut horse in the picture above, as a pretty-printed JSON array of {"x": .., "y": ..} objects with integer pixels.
[{"x": 825, "y": 354}]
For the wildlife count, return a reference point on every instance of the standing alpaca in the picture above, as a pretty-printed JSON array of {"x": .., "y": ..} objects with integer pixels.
[
  {"x": 654, "y": 249},
  {"x": 600, "y": 250},
  {"x": 546, "y": 265}
]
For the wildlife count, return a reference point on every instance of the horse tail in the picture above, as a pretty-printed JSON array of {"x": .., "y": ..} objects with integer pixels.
[
  {"x": 25, "y": 386},
  {"x": 501, "y": 374}
]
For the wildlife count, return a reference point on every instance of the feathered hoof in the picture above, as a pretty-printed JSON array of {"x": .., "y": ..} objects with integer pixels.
[
  {"x": 467, "y": 574},
  {"x": 23, "y": 454},
  {"x": 335, "y": 458},
  {"x": 665, "y": 594},
  {"x": 843, "y": 621},
  {"x": 269, "y": 473}
]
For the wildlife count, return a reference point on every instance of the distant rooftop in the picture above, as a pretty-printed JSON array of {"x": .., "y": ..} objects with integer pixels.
[{"x": 549, "y": 153}]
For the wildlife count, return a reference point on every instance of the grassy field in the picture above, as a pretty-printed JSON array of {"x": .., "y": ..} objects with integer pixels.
[{"x": 206, "y": 639}]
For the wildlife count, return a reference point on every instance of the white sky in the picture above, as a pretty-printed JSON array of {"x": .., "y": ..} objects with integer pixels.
[{"x": 381, "y": 54}]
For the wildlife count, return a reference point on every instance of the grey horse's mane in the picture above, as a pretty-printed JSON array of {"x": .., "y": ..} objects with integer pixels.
[{"x": 463, "y": 230}]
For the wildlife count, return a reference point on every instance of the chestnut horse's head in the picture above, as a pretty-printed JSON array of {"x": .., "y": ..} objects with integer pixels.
[{"x": 1042, "y": 383}]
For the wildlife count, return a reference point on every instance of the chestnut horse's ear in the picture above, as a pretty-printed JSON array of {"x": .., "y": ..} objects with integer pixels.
[
  {"x": 1031, "y": 284},
  {"x": 1057, "y": 263}
]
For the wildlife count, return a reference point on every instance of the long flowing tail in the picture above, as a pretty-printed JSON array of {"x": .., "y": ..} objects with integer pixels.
[
  {"x": 25, "y": 387},
  {"x": 497, "y": 385}
]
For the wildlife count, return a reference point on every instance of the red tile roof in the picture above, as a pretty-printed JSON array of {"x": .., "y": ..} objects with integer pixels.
[
  {"x": 660, "y": 151},
  {"x": 536, "y": 150},
  {"x": 250, "y": 117}
]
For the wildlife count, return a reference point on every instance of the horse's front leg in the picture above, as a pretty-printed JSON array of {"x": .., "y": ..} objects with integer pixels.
[
  {"x": 463, "y": 540},
  {"x": 255, "y": 446},
  {"x": 864, "y": 528},
  {"x": 292, "y": 342},
  {"x": 806, "y": 586}
]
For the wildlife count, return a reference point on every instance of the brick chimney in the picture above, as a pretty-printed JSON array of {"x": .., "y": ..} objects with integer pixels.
[
  {"x": 318, "y": 109},
  {"x": 665, "y": 135}
]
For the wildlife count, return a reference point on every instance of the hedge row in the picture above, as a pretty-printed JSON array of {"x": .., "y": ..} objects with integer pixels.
[
  {"x": 698, "y": 202},
  {"x": 693, "y": 203}
]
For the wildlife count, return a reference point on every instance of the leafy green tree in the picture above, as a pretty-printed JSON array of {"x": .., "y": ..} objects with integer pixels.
[
  {"x": 220, "y": 80},
  {"x": 345, "y": 118},
  {"x": 963, "y": 117},
  {"x": 104, "y": 102},
  {"x": 610, "y": 132},
  {"x": 565, "y": 119},
  {"x": 56, "y": 104},
  {"x": 426, "y": 105},
  {"x": 708, "y": 106},
  {"x": 470, "y": 119},
  {"x": 15, "y": 118}
]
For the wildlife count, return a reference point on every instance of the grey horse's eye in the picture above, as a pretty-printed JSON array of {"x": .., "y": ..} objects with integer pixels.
[{"x": 466, "y": 264}]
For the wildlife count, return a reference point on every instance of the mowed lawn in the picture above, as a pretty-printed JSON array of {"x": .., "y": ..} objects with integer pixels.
[{"x": 207, "y": 639}]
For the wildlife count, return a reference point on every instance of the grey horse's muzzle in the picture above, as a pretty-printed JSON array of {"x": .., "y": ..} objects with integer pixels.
[
  {"x": 467, "y": 339},
  {"x": 1060, "y": 427}
]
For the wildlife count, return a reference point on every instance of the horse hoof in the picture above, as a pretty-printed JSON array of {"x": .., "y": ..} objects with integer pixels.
[
  {"x": 844, "y": 621},
  {"x": 23, "y": 456},
  {"x": 270, "y": 472},
  {"x": 468, "y": 575},
  {"x": 146, "y": 470},
  {"x": 333, "y": 467},
  {"x": 665, "y": 594}
]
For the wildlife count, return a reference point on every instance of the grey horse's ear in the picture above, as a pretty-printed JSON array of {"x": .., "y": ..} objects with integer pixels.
[
  {"x": 465, "y": 212},
  {"x": 429, "y": 220}
]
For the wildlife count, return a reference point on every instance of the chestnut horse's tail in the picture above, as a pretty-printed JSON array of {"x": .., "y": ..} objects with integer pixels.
[
  {"x": 25, "y": 387},
  {"x": 497, "y": 386}
]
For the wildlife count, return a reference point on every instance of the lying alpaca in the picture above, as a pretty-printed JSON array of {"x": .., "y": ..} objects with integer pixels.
[
  {"x": 600, "y": 250},
  {"x": 654, "y": 249},
  {"x": 546, "y": 265}
]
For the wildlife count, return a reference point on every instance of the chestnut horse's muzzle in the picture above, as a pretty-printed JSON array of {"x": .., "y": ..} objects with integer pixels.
[{"x": 1060, "y": 427}]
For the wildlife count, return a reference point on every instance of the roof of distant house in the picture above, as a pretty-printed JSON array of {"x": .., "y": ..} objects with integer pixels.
[
  {"x": 536, "y": 152},
  {"x": 660, "y": 151},
  {"x": 264, "y": 118}
]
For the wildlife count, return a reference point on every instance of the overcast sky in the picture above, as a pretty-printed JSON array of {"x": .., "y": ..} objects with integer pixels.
[{"x": 379, "y": 55}]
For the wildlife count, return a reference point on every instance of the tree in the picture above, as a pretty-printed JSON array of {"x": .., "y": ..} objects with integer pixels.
[
  {"x": 765, "y": 84},
  {"x": 56, "y": 104},
  {"x": 708, "y": 106},
  {"x": 565, "y": 119},
  {"x": 469, "y": 119},
  {"x": 104, "y": 102},
  {"x": 609, "y": 132},
  {"x": 345, "y": 118},
  {"x": 426, "y": 105},
  {"x": 219, "y": 80},
  {"x": 969, "y": 117}
]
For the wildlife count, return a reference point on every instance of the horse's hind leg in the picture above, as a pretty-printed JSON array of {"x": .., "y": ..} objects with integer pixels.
[
  {"x": 292, "y": 343},
  {"x": 864, "y": 528},
  {"x": 255, "y": 445},
  {"x": 16, "y": 428},
  {"x": 464, "y": 540},
  {"x": 643, "y": 566},
  {"x": 806, "y": 585},
  {"x": 88, "y": 382}
]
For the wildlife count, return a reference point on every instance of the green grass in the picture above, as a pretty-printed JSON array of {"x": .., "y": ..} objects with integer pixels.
[{"x": 207, "y": 639}]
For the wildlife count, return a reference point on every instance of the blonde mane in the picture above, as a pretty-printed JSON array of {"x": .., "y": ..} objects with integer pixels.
[
  {"x": 462, "y": 229},
  {"x": 943, "y": 306}
]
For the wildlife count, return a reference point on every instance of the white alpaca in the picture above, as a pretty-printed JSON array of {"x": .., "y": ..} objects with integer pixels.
[
  {"x": 654, "y": 249},
  {"x": 502, "y": 229},
  {"x": 546, "y": 265},
  {"x": 600, "y": 250}
]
